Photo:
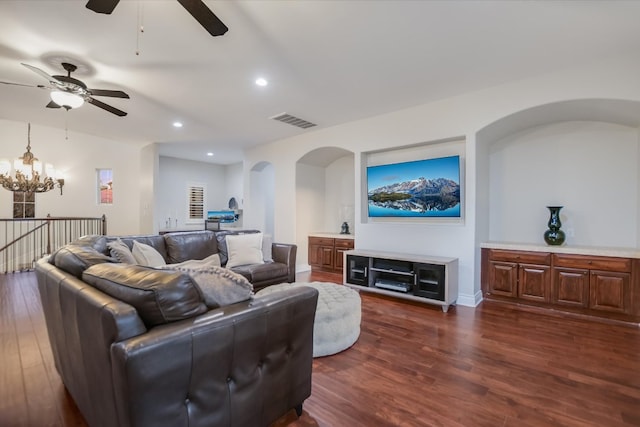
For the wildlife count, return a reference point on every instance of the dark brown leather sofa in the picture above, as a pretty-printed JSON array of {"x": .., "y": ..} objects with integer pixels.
[
  {"x": 183, "y": 246},
  {"x": 244, "y": 364}
]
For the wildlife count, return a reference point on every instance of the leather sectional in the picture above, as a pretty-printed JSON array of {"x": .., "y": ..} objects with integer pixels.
[{"x": 244, "y": 364}]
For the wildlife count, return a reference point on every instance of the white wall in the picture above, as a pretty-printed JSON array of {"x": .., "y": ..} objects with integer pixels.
[
  {"x": 462, "y": 116},
  {"x": 590, "y": 168},
  {"x": 234, "y": 183},
  {"x": 262, "y": 208},
  {"x": 310, "y": 203},
  {"x": 339, "y": 197},
  {"x": 174, "y": 177},
  {"x": 78, "y": 157}
]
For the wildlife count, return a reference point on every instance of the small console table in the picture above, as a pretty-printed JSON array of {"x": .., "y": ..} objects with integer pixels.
[{"x": 425, "y": 279}]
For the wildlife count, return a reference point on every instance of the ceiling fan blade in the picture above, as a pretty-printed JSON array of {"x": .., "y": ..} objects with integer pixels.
[
  {"x": 37, "y": 70},
  {"x": 111, "y": 93},
  {"x": 102, "y": 6},
  {"x": 104, "y": 106},
  {"x": 52, "y": 104},
  {"x": 204, "y": 16},
  {"x": 20, "y": 84}
]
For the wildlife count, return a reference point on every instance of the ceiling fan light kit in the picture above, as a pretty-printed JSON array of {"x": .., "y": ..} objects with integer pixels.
[
  {"x": 28, "y": 173},
  {"x": 67, "y": 100}
]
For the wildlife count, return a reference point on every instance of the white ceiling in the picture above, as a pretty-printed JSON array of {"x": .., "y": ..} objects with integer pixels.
[{"x": 328, "y": 62}]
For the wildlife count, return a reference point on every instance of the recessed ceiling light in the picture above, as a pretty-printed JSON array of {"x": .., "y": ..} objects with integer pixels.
[
  {"x": 177, "y": 124},
  {"x": 210, "y": 154},
  {"x": 261, "y": 81}
]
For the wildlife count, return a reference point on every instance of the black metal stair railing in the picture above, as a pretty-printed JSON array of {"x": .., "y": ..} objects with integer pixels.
[{"x": 25, "y": 240}]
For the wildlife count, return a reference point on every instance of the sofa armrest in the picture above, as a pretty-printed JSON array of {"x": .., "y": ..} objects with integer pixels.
[
  {"x": 243, "y": 364},
  {"x": 285, "y": 254}
]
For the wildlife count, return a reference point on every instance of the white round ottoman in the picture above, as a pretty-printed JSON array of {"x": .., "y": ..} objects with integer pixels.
[{"x": 337, "y": 322}]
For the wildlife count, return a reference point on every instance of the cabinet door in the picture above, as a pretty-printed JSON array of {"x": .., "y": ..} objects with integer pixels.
[
  {"x": 609, "y": 291},
  {"x": 314, "y": 254},
  {"x": 326, "y": 256},
  {"x": 570, "y": 287},
  {"x": 534, "y": 282},
  {"x": 357, "y": 270},
  {"x": 341, "y": 245},
  {"x": 503, "y": 278}
]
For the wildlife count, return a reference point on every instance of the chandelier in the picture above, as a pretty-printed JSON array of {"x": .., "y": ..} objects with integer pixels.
[{"x": 28, "y": 173}]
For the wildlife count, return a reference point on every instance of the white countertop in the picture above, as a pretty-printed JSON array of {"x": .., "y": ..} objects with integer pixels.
[
  {"x": 332, "y": 235},
  {"x": 565, "y": 249}
]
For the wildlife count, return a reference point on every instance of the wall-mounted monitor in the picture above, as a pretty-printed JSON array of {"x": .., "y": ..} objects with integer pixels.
[{"x": 421, "y": 189}]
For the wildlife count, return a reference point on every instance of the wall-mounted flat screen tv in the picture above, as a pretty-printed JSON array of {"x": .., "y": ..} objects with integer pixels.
[{"x": 422, "y": 188}]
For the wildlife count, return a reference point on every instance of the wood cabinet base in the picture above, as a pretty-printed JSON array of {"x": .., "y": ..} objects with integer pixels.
[{"x": 605, "y": 287}]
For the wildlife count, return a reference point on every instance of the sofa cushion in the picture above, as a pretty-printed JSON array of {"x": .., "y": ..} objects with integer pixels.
[
  {"x": 243, "y": 249},
  {"x": 74, "y": 259},
  {"x": 146, "y": 255},
  {"x": 257, "y": 273},
  {"x": 120, "y": 251},
  {"x": 221, "y": 237},
  {"x": 220, "y": 286},
  {"x": 95, "y": 241},
  {"x": 159, "y": 296},
  {"x": 190, "y": 245}
]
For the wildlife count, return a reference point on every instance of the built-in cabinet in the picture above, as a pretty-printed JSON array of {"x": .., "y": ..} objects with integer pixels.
[
  {"x": 604, "y": 286},
  {"x": 327, "y": 253}
]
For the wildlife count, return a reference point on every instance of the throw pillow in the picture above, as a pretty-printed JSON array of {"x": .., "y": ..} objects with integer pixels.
[
  {"x": 220, "y": 286},
  {"x": 159, "y": 296},
  {"x": 221, "y": 237},
  {"x": 120, "y": 251},
  {"x": 210, "y": 261},
  {"x": 244, "y": 249},
  {"x": 146, "y": 255}
]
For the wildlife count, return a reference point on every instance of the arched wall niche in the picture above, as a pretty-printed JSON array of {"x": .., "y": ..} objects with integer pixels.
[
  {"x": 325, "y": 195},
  {"x": 261, "y": 190},
  {"x": 582, "y": 154}
]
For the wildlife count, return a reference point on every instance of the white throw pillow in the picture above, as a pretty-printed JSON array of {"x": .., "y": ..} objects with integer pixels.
[
  {"x": 244, "y": 249},
  {"x": 210, "y": 261},
  {"x": 120, "y": 251},
  {"x": 220, "y": 286},
  {"x": 146, "y": 255}
]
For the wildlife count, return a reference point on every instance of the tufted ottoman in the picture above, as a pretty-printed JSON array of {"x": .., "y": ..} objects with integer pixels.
[{"x": 337, "y": 322}]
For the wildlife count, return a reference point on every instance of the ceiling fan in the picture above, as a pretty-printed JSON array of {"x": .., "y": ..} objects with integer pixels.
[
  {"x": 196, "y": 8},
  {"x": 68, "y": 92}
]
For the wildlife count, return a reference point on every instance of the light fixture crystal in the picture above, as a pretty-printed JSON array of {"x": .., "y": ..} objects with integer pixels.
[
  {"x": 66, "y": 99},
  {"x": 28, "y": 173}
]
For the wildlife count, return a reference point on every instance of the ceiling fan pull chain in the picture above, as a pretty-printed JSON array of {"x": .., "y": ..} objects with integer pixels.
[{"x": 139, "y": 27}]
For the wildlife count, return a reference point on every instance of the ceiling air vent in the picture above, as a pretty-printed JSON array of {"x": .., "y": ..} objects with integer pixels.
[{"x": 293, "y": 121}]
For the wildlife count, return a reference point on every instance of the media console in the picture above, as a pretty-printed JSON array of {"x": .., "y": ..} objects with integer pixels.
[{"x": 425, "y": 279}]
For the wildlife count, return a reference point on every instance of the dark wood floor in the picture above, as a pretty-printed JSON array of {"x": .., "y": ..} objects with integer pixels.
[{"x": 413, "y": 365}]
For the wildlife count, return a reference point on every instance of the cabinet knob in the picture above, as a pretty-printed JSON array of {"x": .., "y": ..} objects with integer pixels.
[{"x": 590, "y": 262}]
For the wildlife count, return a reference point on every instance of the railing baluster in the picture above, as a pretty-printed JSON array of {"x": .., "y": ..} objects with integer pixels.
[{"x": 24, "y": 241}]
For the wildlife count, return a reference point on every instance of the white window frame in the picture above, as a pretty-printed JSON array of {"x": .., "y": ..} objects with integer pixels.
[{"x": 192, "y": 204}]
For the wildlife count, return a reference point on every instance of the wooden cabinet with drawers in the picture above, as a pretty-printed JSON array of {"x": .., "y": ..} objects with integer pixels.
[
  {"x": 604, "y": 286},
  {"x": 327, "y": 253}
]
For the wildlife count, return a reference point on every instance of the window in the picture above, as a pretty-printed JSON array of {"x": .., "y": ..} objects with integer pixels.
[
  {"x": 24, "y": 205},
  {"x": 196, "y": 203},
  {"x": 105, "y": 186}
]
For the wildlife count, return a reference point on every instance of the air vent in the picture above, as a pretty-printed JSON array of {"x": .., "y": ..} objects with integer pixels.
[{"x": 293, "y": 121}]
